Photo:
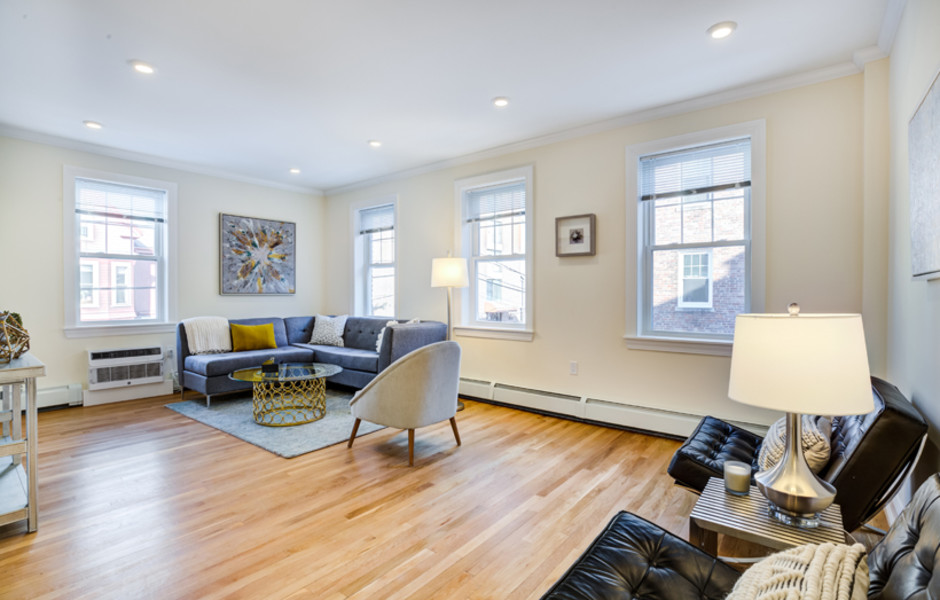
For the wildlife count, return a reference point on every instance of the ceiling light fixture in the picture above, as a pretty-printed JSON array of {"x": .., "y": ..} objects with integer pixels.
[
  {"x": 93, "y": 124},
  {"x": 720, "y": 31},
  {"x": 295, "y": 171},
  {"x": 500, "y": 102},
  {"x": 375, "y": 143},
  {"x": 142, "y": 67}
]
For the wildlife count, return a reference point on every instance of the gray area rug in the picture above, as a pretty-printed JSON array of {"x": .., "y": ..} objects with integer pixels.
[{"x": 233, "y": 416}]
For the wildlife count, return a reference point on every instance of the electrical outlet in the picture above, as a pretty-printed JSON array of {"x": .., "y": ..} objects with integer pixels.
[{"x": 573, "y": 367}]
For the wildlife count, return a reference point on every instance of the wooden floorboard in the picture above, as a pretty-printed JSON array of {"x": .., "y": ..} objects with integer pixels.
[{"x": 137, "y": 501}]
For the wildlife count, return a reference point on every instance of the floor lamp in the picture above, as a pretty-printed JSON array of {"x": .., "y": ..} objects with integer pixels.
[
  {"x": 812, "y": 364},
  {"x": 449, "y": 273}
]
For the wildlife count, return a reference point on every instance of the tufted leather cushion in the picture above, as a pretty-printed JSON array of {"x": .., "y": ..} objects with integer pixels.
[
  {"x": 633, "y": 558},
  {"x": 704, "y": 453},
  {"x": 867, "y": 455},
  {"x": 906, "y": 563}
]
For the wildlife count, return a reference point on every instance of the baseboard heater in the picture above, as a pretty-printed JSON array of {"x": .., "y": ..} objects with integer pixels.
[
  {"x": 627, "y": 416},
  {"x": 63, "y": 395},
  {"x": 121, "y": 374}
]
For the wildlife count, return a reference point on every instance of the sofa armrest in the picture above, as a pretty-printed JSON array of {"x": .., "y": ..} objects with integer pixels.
[
  {"x": 182, "y": 350},
  {"x": 401, "y": 339}
]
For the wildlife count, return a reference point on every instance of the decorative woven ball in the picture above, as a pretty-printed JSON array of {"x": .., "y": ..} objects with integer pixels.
[{"x": 14, "y": 339}]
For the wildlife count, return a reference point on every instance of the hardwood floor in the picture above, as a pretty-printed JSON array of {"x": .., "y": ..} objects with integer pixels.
[{"x": 137, "y": 501}]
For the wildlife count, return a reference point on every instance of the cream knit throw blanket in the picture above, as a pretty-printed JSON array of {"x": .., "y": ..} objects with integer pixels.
[
  {"x": 810, "y": 572},
  {"x": 208, "y": 335}
]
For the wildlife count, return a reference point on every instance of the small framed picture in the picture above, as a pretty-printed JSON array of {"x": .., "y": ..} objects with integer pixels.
[{"x": 574, "y": 236}]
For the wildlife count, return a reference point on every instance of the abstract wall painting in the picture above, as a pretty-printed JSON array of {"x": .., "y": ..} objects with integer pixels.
[
  {"x": 257, "y": 256},
  {"x": 924, "y": 158}
]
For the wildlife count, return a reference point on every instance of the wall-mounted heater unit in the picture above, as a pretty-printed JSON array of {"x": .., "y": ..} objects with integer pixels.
[
  {"x": 126, "y": 374},
  {"x": 124, "y": 367}
]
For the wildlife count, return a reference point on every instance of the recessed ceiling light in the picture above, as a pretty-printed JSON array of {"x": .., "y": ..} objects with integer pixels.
[
  {"x": 500, "y": 102},
  {"x": 142, "y": 67},
  {"x": 722, "y": 30},
  {"x": 295, "y": 171},
  {"x": 93, "y": 124},
  {"x": 375, "y": 143}
]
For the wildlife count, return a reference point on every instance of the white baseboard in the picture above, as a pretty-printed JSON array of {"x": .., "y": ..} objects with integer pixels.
[
  {"x": 63, "y": 395},
  {"x": 134, "y": 392},
  {"x": 593, "y": 409}
]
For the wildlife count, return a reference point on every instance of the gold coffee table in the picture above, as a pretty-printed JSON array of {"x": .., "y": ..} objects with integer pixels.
[{"x": 294, "y": 395}]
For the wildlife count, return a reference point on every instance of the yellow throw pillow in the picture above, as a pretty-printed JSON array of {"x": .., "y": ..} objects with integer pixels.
[{"x": 252, "y": 337}]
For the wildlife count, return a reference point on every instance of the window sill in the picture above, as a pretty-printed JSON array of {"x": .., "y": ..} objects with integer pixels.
[
  {"x": 681, "y": 345},
  {"x": 518, "y": 335},
  {"x": 107, "y": 330}
]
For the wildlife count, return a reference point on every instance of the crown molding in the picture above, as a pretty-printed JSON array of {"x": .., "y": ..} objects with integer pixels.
[
  {"x": 147, "y": 159},
  {"x": 890, "y": 23},
  {"x": 867, "y": 55},
  {"x": 686, "y": 106}
]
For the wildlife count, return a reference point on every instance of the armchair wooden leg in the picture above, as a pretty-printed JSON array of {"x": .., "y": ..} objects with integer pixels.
[
  {"x": 411, "y": 447},
  {"x": 453, "y": 425},
  {"x": 352, "y": 436}
]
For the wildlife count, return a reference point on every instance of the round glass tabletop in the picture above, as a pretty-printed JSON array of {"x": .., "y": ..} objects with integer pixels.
[{"x": 287, "y": 372}]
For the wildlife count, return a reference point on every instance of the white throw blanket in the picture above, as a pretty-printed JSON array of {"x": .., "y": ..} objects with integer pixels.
[
  {"x": 208, "y": 335},
  {"x": 810, "y": 572}
]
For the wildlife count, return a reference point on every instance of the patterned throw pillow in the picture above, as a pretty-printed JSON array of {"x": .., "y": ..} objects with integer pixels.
[
  {"x": 816, "y": 446},
  {"x": 328, "y": 331}
]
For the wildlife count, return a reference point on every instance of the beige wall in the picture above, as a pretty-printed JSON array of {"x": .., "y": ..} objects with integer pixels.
[
  {"x": 914, "y": 306},
  {"x": 816, "y": 209},
  {"x": 31, "y": 243}
]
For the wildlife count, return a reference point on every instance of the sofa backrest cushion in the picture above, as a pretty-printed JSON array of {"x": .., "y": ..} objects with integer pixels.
[
  {"x": 298, "y": 329},
  {"x": 280, "y": 330},
  {"x": 363, "y": 332},
  {"x": 870, "y": 451},
  {"x": 906, "y": 563}
]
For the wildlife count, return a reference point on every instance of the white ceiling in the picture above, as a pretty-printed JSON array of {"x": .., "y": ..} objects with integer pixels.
[{"x": 253, "y": 88}]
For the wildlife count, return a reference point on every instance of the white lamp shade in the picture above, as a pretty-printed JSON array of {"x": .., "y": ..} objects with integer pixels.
[
  {"x": 449, "y": 272},
  {"x": 810, "y": 363}
]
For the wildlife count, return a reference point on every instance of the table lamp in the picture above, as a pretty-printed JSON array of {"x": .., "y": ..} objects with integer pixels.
[
  {"x": 450, "y": 273},
  {"x": 813, "y": 364}
]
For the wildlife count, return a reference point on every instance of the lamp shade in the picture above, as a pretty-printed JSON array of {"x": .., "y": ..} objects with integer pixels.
[
  {"x": 449, "y": 272},
  {"x": 808, "y": 363}
]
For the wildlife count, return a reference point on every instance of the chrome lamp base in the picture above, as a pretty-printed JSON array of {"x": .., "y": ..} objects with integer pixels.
[{"x": 796, "y": 496}]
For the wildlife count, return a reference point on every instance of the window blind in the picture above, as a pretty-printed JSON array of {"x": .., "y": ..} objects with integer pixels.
[
  {"x": 379, "y": 218},
  {"x": 498, "y": 201},
  {"x": 700, "y": 170},
  {"x": 101, "y": 198}
]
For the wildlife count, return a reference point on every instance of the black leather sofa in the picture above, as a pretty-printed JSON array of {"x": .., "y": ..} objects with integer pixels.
[
  {"x": 868, "y": 455},
  {"x": 633, "y": 558}
]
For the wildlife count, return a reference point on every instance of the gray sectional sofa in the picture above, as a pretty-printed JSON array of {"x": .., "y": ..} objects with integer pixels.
[{"x": 208, "y": 374}]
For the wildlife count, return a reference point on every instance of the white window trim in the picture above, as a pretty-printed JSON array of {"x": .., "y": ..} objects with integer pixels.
[
  {"x": 681, "y": 279},
  {"x": 756, "y": 130},
  {"x": 463, "y": 324},
  {"x": 73, "y": 329},
  {"x": 357, "y": 292},
  {"x": 114, "y": 287}
]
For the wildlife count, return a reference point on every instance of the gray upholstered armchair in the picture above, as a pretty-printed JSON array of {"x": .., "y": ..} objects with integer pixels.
[{"x": 416, "y": 390}]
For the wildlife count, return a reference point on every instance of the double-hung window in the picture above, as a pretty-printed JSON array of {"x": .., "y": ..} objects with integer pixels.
[
  {"x": 117, "y": 253},
  {"x": 495, "y": 234},
  {"x": 695, "y": 251},
  {"x": 375, "y": 241}
]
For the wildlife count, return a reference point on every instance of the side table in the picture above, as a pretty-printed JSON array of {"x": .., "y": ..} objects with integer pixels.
[
  {"x": 18, "y": 486},
  {"x": 746, "y": 518}
]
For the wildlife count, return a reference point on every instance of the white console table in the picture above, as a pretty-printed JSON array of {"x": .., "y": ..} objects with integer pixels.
[{"x": 18, "y": 485}]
